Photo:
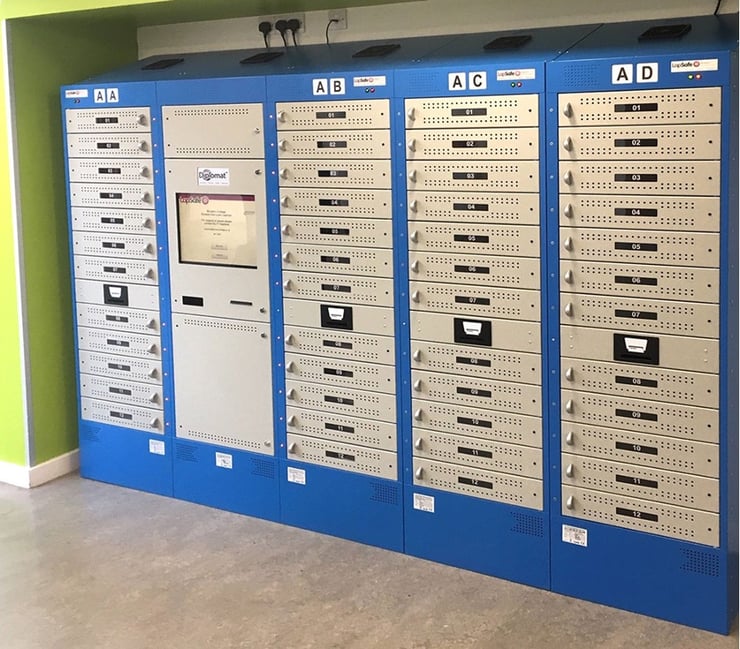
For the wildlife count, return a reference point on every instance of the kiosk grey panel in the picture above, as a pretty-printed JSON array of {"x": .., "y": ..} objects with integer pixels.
[
  {"x": 665, "y": 520},
  {"x": 116, "y": 270},
  {"x": 642, "y": 381},
  {"x": 337, "y": 232},
  {"x": 473, "y": 391},
  {"x": 318, "y": 115},
  {"x": 471, "y": 300},
  {"x": 337, "y": 173},
  {"x": 333, "y": 317},
  {"x": 507, "y": 458},
  {"x": 114, "y": 245},
  {"x": 340, "y": 428},
  {"x": 148, "y": 370},
  {"x": 642, "y": 482},
  {"x": 103, "y": 170},
  {"x": 340, "y": 344},
  {"x": 109, "y": 145},
  {"x": 348, "y": 374},
  {"x": 496, "y": 334},
  {"x": 356, "y": 403},
  {"x": 134, "y": 296},
  {"x": 213, "y": 131},
  {"x": 676, "y": 352},
  {"x": 479, "y": 239},
  {"x": 336, "y": 202},
  {"x": 449, "y": 112},
  {"x": 113, "y": 220},
  {"x": 646, "y": 247},
  {"x": 338, "y": 288},
  {"x": 481, "y": 483},
  {"x": 123, "y": 343},
  {"x": 488, "y": 424},
  {"x": 686, "y": 422},
  {"x": 110, "y": 195},
  {"x": 119, "y": 414},
  {"x": 690, "y": 142},
  {"x": 218, "y": 239},
  {"x": 476, "y": 361},
  {"x": 474, "y": 207},
  {"x": 111, "y": 317},
  {"x": 512, "y": 176},
  {"x": 642, "y": 448},
  {"x": 688, "y": 213},
  {"x": 659, "y": 316},
  {"x": 682, "y": 106},
  {"x": 672, "y": 283},
  {"x": 109, "y": 389},
  {"x": 358, "y": 459},
  {"x": 516, "y": 272},
  {"x": 335, "y": 144},
  {"x": 236, "y": 409},
  {"x": 659, "y": 177},
  {"x": 486, "y": 143},
  {"x": 350, "y": 261},
  {"x": 108, "y": 119}
]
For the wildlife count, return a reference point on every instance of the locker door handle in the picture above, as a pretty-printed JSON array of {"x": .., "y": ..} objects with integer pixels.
[
  {"x": 414, "y": 236},
  {"x": 292, "y": 447},
  {"x": 418, "y": 414},
  {"x": 411, "y": 145},
  {"x": 281, "y": 116},
  {"x": 290, "y": 367},
  {"x": 569, "y": 406},
  {"x": 288, "y": 284},
  {"x": 416, "y": 296},
  {"x": 412, "y": 175},
  {"x": 568, "y": 211},
  {"x": 153, "y": 373},
  {"x": 283, "y": 173},
  {"x": 411, "y": 114},
  {"x": 415, "y": 266},
  {"x": 569, "y": 471},
  {"x": 148, "y": 248},
  {"x": 569, "y": 439},
  {"x": 568, "y": 110},
  {"x": 284, "y": 201},
  {"x": 141, "y": 119},
  {"x": 146, "y": 197},
  {"x": 289, "y": 339},
  {"x": 569, "y": 502},
  {"x": 568, "y": 144},
  {"x": 568, "y": 178},
  {"x": 419, "y": 473},
  {"x": 143, "y": 146},
  {"x": 291, "y": 393},
  {"x": 144, "y": 171},
  {"x": 154, "y": 397},
  {"x": 146, "y": 223},
  {"x": 569, "y": 374},
  {"x": 419, "y": 444},
  {"x": 569, "y": 309},
  {"x": 282, "y": 145},
  {"x": 152, "y": 349},
  {"x": 150, "y": 274},
  {"x": 568, "y": 244},
  {"x": 285, "y": 230},
  {"x": 152, "y": 324},
  {"x": 291, "y": 421},
  {"x": 417, "y": 385},
  {"x": 154, "y": 423},
  {"x": 417, "y": 355},
  {"x": 414, "y": 205},
  {"x": 287, "y": 256},
  {"x": 568, "y": 277}
]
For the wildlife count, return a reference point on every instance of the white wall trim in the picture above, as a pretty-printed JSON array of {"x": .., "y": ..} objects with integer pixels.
[{"x": 23, "y": 476}]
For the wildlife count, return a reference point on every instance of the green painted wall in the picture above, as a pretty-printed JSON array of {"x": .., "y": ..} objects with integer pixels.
[
  {"x": 12, "y": 430},
  {"x": 46, "y": 54},
  {"x": 25, "y": 8}
]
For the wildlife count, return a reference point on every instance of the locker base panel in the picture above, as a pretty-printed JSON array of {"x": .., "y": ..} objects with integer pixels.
[
  {"x": 487, "y": 537},
  {"x": 126, "y": 457},
  {"x": 674, "y": 580},
  {"x": 356, "y": 507},
  {"x": 226, "y": 478}
]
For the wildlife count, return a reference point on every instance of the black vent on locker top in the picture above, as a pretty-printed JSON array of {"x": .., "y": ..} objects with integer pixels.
[
  {"x": 375, "y": 51},
  {"x": 665, "y": 32},
  {"x": 261, "y": 57},
  {"x": 162, "y": 64},
  {"x": 507, "y": 43}
]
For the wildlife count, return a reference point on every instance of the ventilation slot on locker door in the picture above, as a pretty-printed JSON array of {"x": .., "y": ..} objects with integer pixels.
[
  {"x": 703, "y": 563},
  {"x": 212, "y": 323},
  {"x": 385, "y": 493},
  {"x": 90, "y": 434},
  {"x": 585, "y": 76},
  {"x": 528, "y": 524},
  {"x": 222, "y": 440},
  {"x": 186, "y": 452},
  {"x": 262, "y": 468}
]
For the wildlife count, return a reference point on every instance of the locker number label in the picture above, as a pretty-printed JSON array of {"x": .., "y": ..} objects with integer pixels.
[
  {"x": 575, "y": 535},
  {"x": 629, "y": 73},
  {"x": 329, "y": 86},
  {"x": 298, "y": 476},
  {"x": 106, "y": 95},
  {"x": 424, "y": 503},
  {"x": 467, "y": 81}
]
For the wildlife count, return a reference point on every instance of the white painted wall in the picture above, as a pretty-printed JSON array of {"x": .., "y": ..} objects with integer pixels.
[{"x": 420, "y": 18}]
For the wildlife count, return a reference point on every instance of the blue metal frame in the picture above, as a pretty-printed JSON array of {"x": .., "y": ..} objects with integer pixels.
[{"x": 680, "y": 581}]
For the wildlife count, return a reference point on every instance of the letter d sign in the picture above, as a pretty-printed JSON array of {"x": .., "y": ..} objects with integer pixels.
[{"x": 647, "y": 73}]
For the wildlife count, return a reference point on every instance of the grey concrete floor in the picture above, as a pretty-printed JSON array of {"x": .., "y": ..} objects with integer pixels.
[{"x": 85, "y": 565}]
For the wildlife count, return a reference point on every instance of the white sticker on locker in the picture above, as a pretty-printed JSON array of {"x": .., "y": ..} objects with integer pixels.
[
  {"x": 575, "y": 535},
  {"x": 296, "y": 475},
  {"x": 225, "y": 460},
  {"x": 156, "y": 447},
  {"x": 424, "y": 503}
]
